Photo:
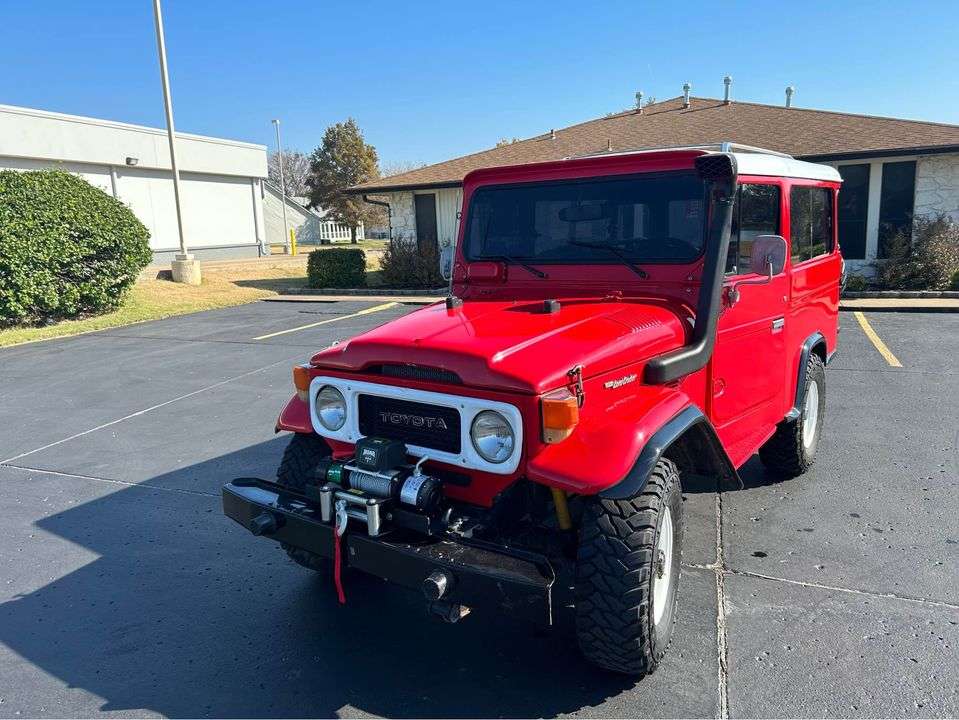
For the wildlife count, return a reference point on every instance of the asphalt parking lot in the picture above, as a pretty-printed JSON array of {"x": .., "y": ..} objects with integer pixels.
[{"x": 125, "y": 592}]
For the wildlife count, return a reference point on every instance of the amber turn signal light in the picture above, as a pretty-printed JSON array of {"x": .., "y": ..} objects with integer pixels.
[
  {"x": 301, "y": 381},
  {"x": 560, "y": 415}
]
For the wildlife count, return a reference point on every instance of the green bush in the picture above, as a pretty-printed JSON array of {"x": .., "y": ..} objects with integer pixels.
[
  {"x": 856, "y": 283},
  {"x": 337, "y": 268},
  {"x": 954, "y": 283},
  {"x": 405, "y": 265},
  {"x": 924, "y": 257},
  {"x": 66, "y": 247}
]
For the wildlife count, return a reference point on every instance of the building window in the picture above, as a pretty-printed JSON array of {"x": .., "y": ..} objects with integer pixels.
[
  {"x": 755, "y": 213},
  {"x": 810, "y": 222},
  {"x": 853, "y": 204},
  {"x": 896, "y": 200}
]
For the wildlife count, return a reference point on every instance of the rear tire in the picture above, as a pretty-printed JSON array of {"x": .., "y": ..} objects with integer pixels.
[
  {"x": 627, "y": 573},
  {"x": 791, "y": 451},
  {"x": 296, "y": 471}
]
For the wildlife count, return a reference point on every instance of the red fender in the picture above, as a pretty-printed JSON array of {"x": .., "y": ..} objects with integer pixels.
[
  {"x": 295, "y": 417},
  {"x": 605, "y": 445}
]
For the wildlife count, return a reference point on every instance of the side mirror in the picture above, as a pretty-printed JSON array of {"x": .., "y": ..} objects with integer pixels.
[
  {"x": 768, "y": 259},
  {"x": 768, "y": 249}
]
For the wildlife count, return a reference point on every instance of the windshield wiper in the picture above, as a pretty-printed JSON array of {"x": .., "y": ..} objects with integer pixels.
[
  {"x": 513, "y": 261},
  {"x": 609, "y": 248}
]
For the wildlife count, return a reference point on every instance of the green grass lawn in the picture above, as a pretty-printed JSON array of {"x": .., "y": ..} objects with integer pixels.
[{"x": 223, "y": 285}]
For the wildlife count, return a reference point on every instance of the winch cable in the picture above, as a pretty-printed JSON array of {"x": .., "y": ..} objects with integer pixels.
[{"x": 338, "y": 532}]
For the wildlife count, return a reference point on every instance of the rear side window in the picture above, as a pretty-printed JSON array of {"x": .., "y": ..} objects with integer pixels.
[
  {"x": 810, "y": 223},
  {"x": 755, "y": 213}
]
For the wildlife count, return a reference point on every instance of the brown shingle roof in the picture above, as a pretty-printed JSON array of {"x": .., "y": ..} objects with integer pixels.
[{"x": 797, "y": 131}]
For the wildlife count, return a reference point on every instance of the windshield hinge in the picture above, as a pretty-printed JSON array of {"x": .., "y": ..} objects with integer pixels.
[{"x": 576, "y": 380}]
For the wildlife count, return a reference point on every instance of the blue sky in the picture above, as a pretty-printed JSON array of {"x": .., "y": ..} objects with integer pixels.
[{"x": 427, "y": 82}]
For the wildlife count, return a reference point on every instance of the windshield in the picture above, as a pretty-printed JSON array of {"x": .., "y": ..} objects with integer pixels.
[{"x": 641, "y": 218}]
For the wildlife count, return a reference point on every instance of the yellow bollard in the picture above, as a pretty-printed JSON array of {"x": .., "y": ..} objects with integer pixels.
[{"x": 292, "y": 241}]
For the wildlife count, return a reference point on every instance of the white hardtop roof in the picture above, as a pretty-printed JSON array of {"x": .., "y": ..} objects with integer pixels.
[{"x": 752, "y": 161}]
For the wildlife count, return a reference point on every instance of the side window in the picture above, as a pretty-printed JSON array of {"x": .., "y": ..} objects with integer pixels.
[
  {"x": 755, "y": 213},
  {"x": 810, "y": 224}
]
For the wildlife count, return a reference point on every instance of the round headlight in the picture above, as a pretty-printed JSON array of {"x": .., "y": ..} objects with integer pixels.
[
  {"x": 330, "y": 408},
  {"x": 492, "y": 437}
]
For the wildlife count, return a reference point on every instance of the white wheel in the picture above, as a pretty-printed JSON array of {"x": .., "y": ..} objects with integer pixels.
[
  {"x": 810, "y": 415},
  {"x": 663, "y": 567}
]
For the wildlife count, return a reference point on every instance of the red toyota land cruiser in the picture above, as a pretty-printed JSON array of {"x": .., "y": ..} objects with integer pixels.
[{"x": 614, "y": 324}]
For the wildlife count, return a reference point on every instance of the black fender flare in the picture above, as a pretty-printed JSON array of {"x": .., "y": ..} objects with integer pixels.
[
  {"x": 689, "y": 419},
  {"x": 814, "y": 341}
]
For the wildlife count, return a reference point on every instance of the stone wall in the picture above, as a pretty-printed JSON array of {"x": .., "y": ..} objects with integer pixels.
[
  {"x": 403, "y": 217},
  {"x": 937, "y": 185}
]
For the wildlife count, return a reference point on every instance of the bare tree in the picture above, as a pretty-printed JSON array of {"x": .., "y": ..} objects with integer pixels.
[
  {"x": 296, "y": 169},
  {"x": 398, "y": 167}
]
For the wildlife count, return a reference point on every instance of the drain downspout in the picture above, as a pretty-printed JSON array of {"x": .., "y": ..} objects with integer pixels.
[{"x": 389, "y": 213}]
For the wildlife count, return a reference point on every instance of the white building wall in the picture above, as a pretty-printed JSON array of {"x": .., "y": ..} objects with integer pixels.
[
  {"x": 222, "y": 205},
  {"x": 311, "y": 227},
  {"x": 449, "y": 202},
  {"x": 937, "y": 190}
]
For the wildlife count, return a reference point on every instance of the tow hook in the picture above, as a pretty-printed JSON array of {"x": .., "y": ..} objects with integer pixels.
[{"x": 437, "y": 585}]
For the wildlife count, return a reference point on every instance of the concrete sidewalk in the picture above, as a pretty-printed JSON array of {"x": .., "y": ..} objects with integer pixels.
[{"x": 407, "y": 299}]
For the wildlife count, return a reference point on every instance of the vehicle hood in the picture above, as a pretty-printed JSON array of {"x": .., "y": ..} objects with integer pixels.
[{"x": 515, "y": 346}]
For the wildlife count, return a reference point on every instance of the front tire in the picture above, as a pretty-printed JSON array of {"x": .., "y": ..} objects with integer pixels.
[
  {"x": 296, "y": 471},
  {"x": 627, "y": 573},
  {"x": 791, "y": 451}
]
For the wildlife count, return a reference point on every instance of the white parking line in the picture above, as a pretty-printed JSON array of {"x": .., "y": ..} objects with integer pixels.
[
  {"x": 149, "y": 409},
  {"x": 375, "y": 308}
]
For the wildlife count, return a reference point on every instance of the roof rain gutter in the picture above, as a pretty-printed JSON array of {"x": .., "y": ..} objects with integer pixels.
[{"x": 719, "y": 172}]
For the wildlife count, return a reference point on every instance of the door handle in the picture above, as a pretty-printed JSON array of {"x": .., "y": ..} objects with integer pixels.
[{"x": 778, "y": 324}]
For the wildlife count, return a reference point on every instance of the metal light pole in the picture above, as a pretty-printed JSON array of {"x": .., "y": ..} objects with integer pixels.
[
  {"x": 279, "y": 157},
  {"x": 185, "y": 268}
]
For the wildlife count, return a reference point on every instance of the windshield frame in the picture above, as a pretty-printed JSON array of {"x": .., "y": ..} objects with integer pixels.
[{"x": 588, "y": 179}]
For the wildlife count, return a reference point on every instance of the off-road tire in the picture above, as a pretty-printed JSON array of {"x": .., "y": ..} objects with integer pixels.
[
  {"x": 615, "y": 569},
  {"x": 785, "y": 453},
  {"x": 296, "y": 470}
]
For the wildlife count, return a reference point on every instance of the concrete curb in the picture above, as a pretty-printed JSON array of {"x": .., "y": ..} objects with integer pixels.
[
  {"x": 938, "y": 305},
  {"x": 364, "y": 292},
  {"x": 403, "y": 299}
]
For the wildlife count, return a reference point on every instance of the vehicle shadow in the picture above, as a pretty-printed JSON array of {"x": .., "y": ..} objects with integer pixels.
[{"x": 185, "y": 614}]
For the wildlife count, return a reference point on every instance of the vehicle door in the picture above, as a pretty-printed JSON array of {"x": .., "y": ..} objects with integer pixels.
[{"x": 747, "y": 364}]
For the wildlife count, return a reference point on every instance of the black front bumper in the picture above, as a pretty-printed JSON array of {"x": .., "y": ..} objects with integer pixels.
[{"x": 517, "y": 581}]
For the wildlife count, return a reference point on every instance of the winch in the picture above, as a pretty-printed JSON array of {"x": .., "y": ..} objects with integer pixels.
[{"x": 376, "y": 482}]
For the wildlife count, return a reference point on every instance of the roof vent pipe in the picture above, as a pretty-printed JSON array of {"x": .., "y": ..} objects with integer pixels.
[
  {"x": 790, "y": 90},
  {"x": 552, "y": 134},
  {"x": 727, "y": 81},
  {"x": 639, "y": 102},
  {"x": 609, "y": 145},
  {"x": 686, "y": 88}
]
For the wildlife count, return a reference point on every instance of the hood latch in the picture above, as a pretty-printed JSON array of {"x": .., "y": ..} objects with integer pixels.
[{"x": 576, "y": 380}]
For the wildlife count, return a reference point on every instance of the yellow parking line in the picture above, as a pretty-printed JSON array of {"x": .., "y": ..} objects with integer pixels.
[
  {"x": 375, "y": 308},
  {"x": 880, "y": 345}
]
